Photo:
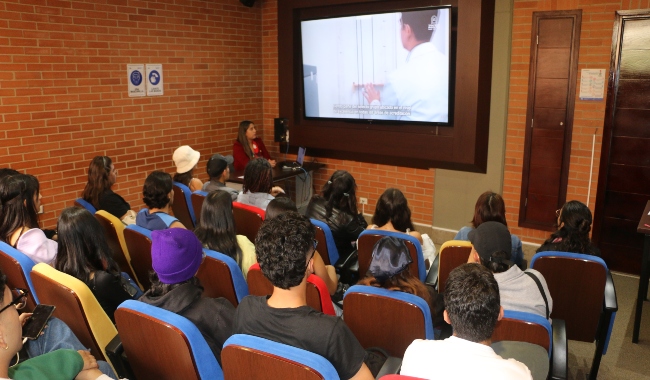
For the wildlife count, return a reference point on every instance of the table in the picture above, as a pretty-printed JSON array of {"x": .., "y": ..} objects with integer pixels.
[
  {"x": 279, "y": 174},
  {"x": 643, "y": 228}
]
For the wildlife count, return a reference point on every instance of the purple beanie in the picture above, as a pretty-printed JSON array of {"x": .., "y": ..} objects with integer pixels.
[{"x": 176, "y": 254}]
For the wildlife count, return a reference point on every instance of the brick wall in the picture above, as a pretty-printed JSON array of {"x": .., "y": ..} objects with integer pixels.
[
  {"x": 595, "y": 47},
  {"x": 372, "y": 179},
  {"x": 63, "y": 87}
]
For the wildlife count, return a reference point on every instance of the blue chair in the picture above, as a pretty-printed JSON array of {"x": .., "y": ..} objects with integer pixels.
[
  {"x": 17, "y": 266},
  {"x": 326, "y": 245},
  {"x": 163, "y": 345},
  {"x": 80, "y": 202},
  {"x": 531, "y": 328},
  {"x": 583, "y": 296},
  {"x": 250, "y": 357},
  {"x": 367, "y": 240},
  {"x": 138, "y": 242},
  {"x": 220, "y": 276},
  {"x": 182, "y": 205},
  {"x": 373, "y": 313}
]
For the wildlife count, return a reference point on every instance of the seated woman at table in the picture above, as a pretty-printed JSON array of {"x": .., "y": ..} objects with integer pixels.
[
  {"x": 248, "y": 146},
  {"x": 572, "y": 235},
  {"x": 491, "y": 208},
  {"x": 336, "y": 206},
  {"x": 392, "y": 213},
  {"x": 20, "y": 199},
  {"x": 258, "y": 189},
  {"x": 102, "y": 175},
  {"x": 216, "y": 230}
]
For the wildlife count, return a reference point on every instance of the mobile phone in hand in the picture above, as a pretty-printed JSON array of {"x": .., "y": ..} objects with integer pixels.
[{"x": 35, "y": 324}]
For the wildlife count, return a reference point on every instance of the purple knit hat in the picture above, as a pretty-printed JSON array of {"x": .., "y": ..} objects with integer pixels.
[{"x": 176, "y": 254}]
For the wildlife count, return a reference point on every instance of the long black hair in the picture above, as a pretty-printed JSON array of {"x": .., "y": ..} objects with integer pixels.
[
  {"x": 82, "y": 245},
  {"x": 17, "y": 205},
  {"x": 340, "y": 193},
  {"x": 393, "y": 207},
  {"x": 99, "y": 180},
  {"x": 216, "y": 229},
  {"x": 258, "y": 176},
  {"x": 575, "y": 218}
]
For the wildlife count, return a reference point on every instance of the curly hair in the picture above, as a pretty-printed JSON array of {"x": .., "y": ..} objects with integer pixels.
[
  {"x": 393, "y": 207},
  {"x": 574, "y": 233},
  {"x": 283, "y": 245},
  {"x": 472, "y": 302},
  {"x": 184, "y": 178},
  {"x": 258, "y": 176},
  {"x": 156, "y": 189},
  {"x": 99, "y": 179},
  {"x": 216, "y": 229},
  {"x": 340, "y": 192},
  {"x": 82, "y": 245},
  {"x": 17, "y": 206},
  {"x": 489, "y": 208}
]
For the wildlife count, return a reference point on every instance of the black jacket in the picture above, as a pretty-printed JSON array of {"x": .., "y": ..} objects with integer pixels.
[
  {"x": 345, "y": 227},
  {"x": 212, "y": 316}
]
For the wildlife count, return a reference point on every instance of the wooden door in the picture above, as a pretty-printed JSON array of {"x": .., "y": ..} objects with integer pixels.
[
  {"x": 555, "y": 43},
  {"x": 624, "y": 176}
]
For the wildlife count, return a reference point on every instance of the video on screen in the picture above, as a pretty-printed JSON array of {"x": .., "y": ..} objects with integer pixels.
[{"x": 388, "y": 66}]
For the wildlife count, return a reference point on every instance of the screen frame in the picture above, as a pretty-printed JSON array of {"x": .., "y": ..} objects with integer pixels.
[
  {"x": 381, "y": 121},
  {"x": 461, "y": 146}
]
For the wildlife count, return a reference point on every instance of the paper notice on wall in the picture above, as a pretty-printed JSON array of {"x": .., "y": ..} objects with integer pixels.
[
  {"x": 592, "y": 84},
  {"x": 154, "y": 80},
  {"x": 135, "y": 77}
]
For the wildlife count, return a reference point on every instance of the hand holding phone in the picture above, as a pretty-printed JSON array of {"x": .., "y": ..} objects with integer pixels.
[{"x": 35, "y": 324}]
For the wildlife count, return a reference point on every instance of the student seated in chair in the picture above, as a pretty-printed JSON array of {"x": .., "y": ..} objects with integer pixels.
[
  {"x": 176, "y": 255},
  {"x": 472, "y": 309},
  {"x": 285, "y": 250},
  {"x": 158, "y": 195},
  {"x": 219, "y": 171}
]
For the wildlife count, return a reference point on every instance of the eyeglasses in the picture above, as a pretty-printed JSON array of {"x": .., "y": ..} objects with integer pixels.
[
  {"x": 19, "y": 299},
  {"x": 315, "y": 244}
]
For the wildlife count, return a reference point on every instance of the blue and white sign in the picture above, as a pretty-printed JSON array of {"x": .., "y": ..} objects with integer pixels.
[
  {"x": 154, "y": 79},
  {"x": 135, "y": 77}
]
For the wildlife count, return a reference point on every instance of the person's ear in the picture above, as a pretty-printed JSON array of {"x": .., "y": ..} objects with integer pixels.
[
  {"x": 500, "y": 313},
  {"x": 310, "y": 266},
  {"x": 445, "y": 316}
]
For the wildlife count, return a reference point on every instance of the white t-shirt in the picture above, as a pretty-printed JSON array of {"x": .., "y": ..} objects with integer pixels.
[{"x": 456, "y": 358}]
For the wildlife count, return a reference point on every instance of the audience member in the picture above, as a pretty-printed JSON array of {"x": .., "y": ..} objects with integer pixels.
[
  {"x": 216, "y": 230},
  {"x": 389, "y": 269},
  {"x": 185, "y": 160},
  {"x": 258, "y": 189},
  {"x": 491, "y": 208},
  {"x": 520, "y": 291},
  {"x": 65, "y": 363},
  {"x": 248, "y": 146},
  {"x": 158, "y": 196},
  {"x": 327, "y": 273},
  {"x": 572, "y": 235},
  {"x": 472, "y": 309},
  {"x": 285, "y": 250},
  {"x": 219, "y": 172},
  {"x": 336, "y": 206},
  {"x": 20, "y": 200},
  {"x": 392, "y": 213},
  {"x": 85, "y": 255},
  {"x": 5, "y": 172},
  {"x": 176, "y": 255},
  {"x": 102, "y": 175}
]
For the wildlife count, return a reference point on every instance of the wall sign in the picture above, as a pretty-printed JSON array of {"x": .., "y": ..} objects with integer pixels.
[
  {"x": 154, "y": 80},
  {"x": 135, "y": 77},
  {"x": 592, "y": 84}
]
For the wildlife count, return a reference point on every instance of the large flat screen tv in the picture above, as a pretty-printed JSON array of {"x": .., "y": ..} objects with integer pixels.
[{"x": 381, "y": 66}]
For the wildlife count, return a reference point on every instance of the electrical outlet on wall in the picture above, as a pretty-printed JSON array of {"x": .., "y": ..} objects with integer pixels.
[{"x": 363, "y": 201}]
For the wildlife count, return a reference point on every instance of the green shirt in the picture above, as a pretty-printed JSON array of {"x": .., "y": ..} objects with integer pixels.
[{"x": 55, "y": 365}]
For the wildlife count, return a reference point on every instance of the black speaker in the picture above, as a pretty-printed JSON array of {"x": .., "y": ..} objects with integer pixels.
[
  {"x": 248, "y": 3},
  {"x": 280, "y": 127}
]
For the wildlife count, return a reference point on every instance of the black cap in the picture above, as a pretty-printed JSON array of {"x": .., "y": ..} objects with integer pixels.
[
  {"x": 491, "y": 237},
  {"x": 390, "y": 256},
  {"x": 217, "y": 164}
]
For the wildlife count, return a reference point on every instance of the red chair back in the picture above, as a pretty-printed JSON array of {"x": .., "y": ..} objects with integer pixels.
[{"x": 248, "y": 219}]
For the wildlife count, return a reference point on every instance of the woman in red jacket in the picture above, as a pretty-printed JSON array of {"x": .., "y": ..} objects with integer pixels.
[{"x": 248, "y": 146}]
